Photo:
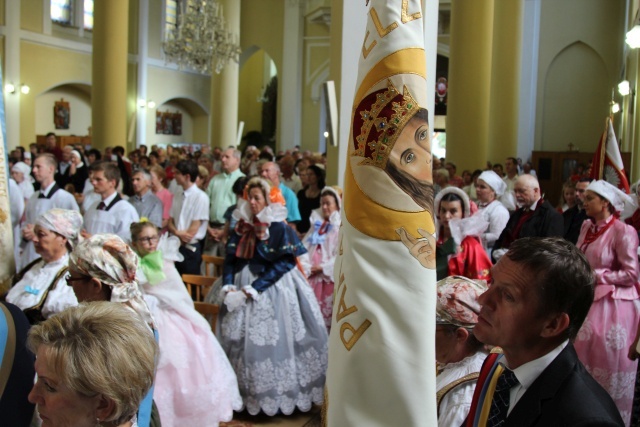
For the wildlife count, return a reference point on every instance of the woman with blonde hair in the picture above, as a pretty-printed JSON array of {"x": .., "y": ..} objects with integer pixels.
[{"x": 95, "y": 363}]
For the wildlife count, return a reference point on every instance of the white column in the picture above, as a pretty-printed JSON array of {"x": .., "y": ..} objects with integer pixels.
[
  {"x": 223, "y": 123},
  {"x": 430, "y": 17},
  {"x": 528, "y": 78},
  {"x": 290, "y": 114},
  {"x": 11, "y": 73},
  {"x": 354, "y": 25},
  {"x": 143, "y": 48}
]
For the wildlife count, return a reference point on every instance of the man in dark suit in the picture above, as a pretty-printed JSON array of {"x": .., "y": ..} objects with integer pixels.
[
  {"x": 575, "y": 216},
  {"x": 541, "y": 293},
  {"x": 535, "y": 217}
]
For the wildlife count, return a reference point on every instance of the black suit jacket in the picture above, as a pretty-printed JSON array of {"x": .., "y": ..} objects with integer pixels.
[
  {"x": 545, "y": 222},
  {"x": 565, "y": 395},
  {"x": 573, "y": 218}
]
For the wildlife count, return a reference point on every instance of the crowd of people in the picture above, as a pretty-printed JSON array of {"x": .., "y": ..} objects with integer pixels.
[
  {"x": 123, "y": 227},
  {"x": 595, "y": 217}
]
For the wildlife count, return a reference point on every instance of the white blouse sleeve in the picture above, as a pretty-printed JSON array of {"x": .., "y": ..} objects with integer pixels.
[{"x": 59, "y": 299}]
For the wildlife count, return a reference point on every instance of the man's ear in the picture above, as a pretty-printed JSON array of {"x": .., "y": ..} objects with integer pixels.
[{"x": 555, "y": 325}]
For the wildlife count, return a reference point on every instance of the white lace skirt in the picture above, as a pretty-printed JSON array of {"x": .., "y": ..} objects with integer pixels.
[{"x": 277, "y": 344}]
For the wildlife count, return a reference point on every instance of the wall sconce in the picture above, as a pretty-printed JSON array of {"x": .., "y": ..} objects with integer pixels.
[
  {"x": 10, "y": 88},
  {"x": 143, "y": 103},
  {"x": 633, "y": 37},
  {"x": 623, "y": 88},
  {"x": 615, "y": 107},
  {"x": 25, "y": 89}
]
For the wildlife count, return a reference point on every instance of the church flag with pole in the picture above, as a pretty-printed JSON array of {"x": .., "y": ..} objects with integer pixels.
[
  {"x": 382, "y": 343},
  {"x": 607, "y": 161}
]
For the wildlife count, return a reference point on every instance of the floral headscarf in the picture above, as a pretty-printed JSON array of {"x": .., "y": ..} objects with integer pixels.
[
  {"x": 66, "y": 223},
  {"x": 457, "y": 302},
  {"x": 109, "y": 259}
]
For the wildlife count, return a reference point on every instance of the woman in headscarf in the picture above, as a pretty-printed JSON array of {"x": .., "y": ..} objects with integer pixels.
[
  {"x": 458, "y": 248},
  {"x": 489, "y": 188},
  {"x": 21, "y": 174},
  {"x": 322, "y": 243},
  {"x": 611, "y": 248},
  {"x": 195, "y": 383},
  {"x": 40, "y": 289},
  {"x": 459, "y": 354},
  {"x": 634, "y": 219},
  {"x": 78, "y": 172},
  {"x": 103, "y": 268},
  {"x": 270, "y": 324}
]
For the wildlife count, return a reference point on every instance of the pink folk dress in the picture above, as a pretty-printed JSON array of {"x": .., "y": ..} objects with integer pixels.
[
  {"x": 195, "y": 384},
  {"x": 609, "y": 329},
  {"x": 321, "y": 242}
]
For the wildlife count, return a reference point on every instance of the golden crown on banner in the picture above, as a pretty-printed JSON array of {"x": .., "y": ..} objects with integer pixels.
[{"x": 385, "y": 121}]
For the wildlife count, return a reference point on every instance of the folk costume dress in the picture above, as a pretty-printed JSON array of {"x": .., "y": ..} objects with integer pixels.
[
  {"x": 382, "y": 342},
  {"x": 609, "y": 329},
  {"x": 321, "y": 242},
  {"x": 276, "y": 340},
  {"x": 195, "y": 383},
  {"x": 462, "y": 254},
  {"x": 41, "y": 290}
]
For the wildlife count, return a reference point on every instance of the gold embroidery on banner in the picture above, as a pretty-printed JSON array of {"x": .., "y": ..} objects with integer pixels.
[
  {"x": 341, "y": 279},
  {"x": 405, "y": 14},
  {"x": 382, "y": 32},
  {"x": 357, "y": 333},
  {"x": 367, "y": 50},
  {"x": 343, "y": 310}
]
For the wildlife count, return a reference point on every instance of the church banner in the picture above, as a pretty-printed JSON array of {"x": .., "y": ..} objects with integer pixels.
[{"x": 381, "y": 353}]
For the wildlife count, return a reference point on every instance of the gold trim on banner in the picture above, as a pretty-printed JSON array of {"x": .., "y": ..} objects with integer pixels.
[{"x": 411, "y": 60}]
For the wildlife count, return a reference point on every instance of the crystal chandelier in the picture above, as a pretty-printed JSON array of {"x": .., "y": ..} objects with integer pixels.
[{"x": 200, "y": 40}]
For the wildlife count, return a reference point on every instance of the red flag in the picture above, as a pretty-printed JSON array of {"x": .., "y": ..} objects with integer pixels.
[{"x": 607, "y": 161}]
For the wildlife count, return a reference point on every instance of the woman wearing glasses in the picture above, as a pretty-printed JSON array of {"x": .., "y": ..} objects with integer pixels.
[
  {"x": 195, "y": 383},
  {"x": 40, "y": 289}
]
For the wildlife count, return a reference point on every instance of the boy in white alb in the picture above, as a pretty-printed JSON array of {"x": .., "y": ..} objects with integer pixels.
[{"x": 112, "y": 214}]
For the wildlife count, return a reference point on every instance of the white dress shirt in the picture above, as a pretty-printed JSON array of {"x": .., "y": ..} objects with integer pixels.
[
  {"x": 529, "y": 372},
  {"x": 188, "y": 206}
]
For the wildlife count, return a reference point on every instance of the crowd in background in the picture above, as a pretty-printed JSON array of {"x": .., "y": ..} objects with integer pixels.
[{"x": 275, "y": 221}]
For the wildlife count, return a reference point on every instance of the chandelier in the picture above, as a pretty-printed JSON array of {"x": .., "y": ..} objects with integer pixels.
[{"x": 200, "y": 40}]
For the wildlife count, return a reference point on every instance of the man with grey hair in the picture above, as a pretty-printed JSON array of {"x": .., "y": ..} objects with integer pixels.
[
  {"x": 221, "y": 196},
  {"x": 146, "y": 203},
  {"x": 535, "y": 217}
]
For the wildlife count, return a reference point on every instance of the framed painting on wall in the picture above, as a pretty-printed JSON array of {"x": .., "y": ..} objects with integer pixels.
[{"x": 61, "y": 114}]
